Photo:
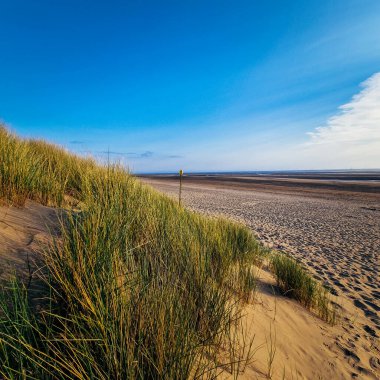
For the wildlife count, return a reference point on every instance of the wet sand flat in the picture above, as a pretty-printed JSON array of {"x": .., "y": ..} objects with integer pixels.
[{"x": 331, "y": 225}]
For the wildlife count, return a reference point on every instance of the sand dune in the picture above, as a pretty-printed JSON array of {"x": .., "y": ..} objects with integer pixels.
[
  {"x": 289, "y": 341},
  {"x": 273, "y": 320}
]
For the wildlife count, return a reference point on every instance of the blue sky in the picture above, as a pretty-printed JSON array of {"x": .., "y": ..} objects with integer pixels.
[{"x": 202, "y": 85}]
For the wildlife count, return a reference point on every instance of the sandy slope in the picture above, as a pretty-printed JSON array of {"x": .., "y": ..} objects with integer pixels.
[
  {"x": 23, "y": 233},
  {"x": 304, "y": 347},
  {"x": 336, "y": 235},
  {"x": 300, "y": 344}
]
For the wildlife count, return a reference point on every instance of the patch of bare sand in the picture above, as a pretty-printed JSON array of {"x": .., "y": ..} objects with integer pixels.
[
  {"x": 337, "y": 237},
  {"x": 290, "y": 342},
  {"x": 23, "y": 233}
]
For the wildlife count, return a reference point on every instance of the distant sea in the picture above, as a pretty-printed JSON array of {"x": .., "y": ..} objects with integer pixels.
[{"x": 337, "y": 174}]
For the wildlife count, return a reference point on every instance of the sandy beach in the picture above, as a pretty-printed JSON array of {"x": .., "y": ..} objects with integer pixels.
[
  {"x": 334, "y": 232},
  {"x": 330, "y": 224}
]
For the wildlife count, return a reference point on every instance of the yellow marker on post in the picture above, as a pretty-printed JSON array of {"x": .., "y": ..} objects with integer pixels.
[{"x": 180, "y": 186}]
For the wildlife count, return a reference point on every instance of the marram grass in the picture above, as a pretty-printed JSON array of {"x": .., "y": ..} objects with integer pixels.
[
  {"x": 297, "y": 283},
  {"x": 136, "y": 287}
]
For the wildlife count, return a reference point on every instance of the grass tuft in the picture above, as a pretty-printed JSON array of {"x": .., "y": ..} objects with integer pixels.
[{"x": 297, "y": 283}]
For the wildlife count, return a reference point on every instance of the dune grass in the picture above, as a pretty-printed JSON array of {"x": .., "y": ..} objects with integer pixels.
[
  {"x": 297, "y": 283},
  {"x": 136, "y": 286},
  {"x": 34, "y": 169}
]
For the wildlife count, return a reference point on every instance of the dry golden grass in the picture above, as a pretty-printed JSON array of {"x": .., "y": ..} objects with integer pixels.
[{"x": 137, "y": 287}]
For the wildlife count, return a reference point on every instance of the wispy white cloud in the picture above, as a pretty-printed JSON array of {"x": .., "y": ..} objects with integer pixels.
[
  {"x": 348, "y": 139},
  {"x": 351, "y": 138},
  {"x": 357, "y": 121}
]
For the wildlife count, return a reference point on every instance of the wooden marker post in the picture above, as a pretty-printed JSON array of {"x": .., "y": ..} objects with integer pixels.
[{"x": 180, "y": 186}]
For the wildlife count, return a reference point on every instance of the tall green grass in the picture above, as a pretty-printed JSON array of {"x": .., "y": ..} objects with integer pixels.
[{"x": 136, "y": 287}]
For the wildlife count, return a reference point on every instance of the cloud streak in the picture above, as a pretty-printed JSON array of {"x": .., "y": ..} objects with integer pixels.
[
  {"x": 133, "y": 155},
  {"x": 358, "y": 121},
  {"x": 76, "y": 142},
  {"x": 351, "y": 138}
]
